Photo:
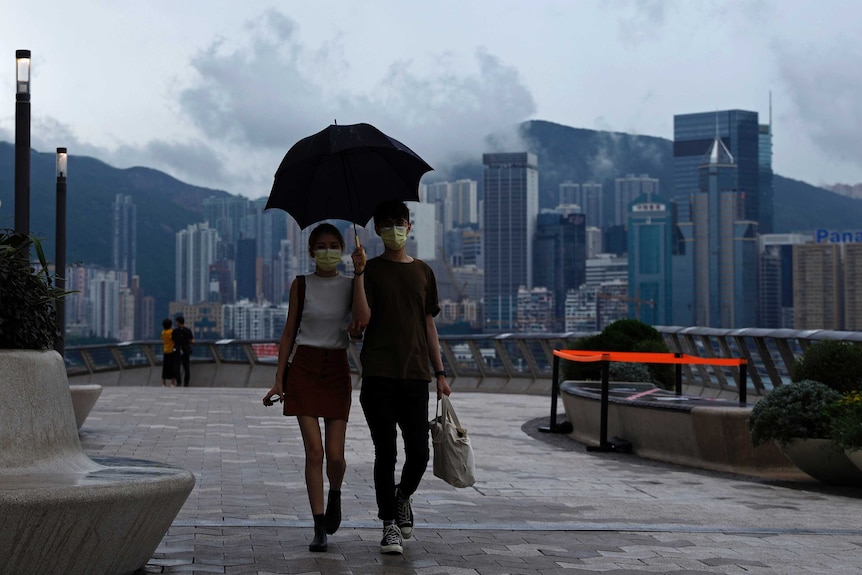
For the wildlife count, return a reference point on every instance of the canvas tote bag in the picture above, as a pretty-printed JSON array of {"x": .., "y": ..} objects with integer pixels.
[{"x": 453, "y": 454}]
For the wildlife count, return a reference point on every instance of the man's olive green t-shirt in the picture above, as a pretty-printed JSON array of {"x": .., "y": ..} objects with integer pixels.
[{"x": 400, "y": 295}]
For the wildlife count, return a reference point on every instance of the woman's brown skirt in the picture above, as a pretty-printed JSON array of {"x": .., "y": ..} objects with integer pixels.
[{"x": 318, "y": 383}]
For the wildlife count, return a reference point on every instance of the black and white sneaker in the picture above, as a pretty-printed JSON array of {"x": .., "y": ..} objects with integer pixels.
[
  {"x": 404, "y": 514},
  {"x": 391, "y": 542}
]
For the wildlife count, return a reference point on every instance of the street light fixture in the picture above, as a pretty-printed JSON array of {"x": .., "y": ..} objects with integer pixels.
[
  {"x": 60, "y": 254},
  {"x": 22, "y": 141}
]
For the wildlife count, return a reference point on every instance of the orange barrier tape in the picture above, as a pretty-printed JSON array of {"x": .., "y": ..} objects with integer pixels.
[{"x": 645, "y": 357}]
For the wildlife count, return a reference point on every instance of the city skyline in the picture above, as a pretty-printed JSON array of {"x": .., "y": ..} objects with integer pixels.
[{"x": 215, "y": 97}]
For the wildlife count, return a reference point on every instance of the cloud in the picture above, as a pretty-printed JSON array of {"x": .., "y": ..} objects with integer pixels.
[
  {"x": 825, "y": 95},
  {"x": 260, "y": 97}
]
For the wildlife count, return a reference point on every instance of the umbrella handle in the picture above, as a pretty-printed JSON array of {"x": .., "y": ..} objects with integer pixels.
[{"x": 356, "y": 236}]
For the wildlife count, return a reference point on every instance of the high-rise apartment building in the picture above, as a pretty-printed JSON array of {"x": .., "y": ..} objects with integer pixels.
[
  {"x": 852, "y": 267},
  {"x": 464, "y": 202},
  {"x": 588, "y": 196},
  {"x": 746, "y": 140},
  {"x": 511, "y": 204},
  {"x": 195, "y": 251},
  {"x": 817, "y": 294},
  {"x": 650, "y": 236},
  {"x": 627, "y": 189},
  {"x": 776, "y": 279},
  {"x": 124, "y": 235}
]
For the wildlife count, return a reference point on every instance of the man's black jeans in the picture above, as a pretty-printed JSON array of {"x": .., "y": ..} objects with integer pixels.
[
  {"x": 185, "y": 361},
  {"x": 388, "y": 403}
]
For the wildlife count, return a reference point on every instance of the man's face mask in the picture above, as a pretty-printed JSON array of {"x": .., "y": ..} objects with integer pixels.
[
  {"x": 394, "y": 237},
  {"x": 327, "y": 260}
]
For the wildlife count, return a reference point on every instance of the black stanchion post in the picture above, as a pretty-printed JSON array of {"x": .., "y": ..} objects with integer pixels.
[
  {"x": 743, "y": 383},
  {"x": 555, "y": 391},
  {"x": 678, "y": 375},
  {"x": 606, "y": 390}
]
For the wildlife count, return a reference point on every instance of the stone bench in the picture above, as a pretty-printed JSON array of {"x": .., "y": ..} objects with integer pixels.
[{"x": 61, "y": 511}]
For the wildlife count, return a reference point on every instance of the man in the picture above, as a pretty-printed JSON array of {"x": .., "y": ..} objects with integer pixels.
[
  {"x": 400, "y": 352},
  {"x": 183, "y": 340}
]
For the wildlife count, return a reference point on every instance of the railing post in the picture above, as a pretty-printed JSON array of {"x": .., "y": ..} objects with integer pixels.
[
  {"x": 678, "y": 375},
  {"x": 743, "y": 383},
  {"x": 603, "y": 422}
]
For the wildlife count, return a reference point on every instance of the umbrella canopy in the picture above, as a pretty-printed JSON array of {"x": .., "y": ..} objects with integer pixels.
[{"x": 344, "y": 172}]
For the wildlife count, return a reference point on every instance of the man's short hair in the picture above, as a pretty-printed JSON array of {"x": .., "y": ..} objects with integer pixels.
[
  {"x": 391, "y": 210},
  {"x": 181, "y": 320}
]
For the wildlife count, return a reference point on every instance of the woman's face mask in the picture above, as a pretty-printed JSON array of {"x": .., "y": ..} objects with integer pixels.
[
  {"x": 327, "y": 260},
  {"x": 394, "y": 237}
]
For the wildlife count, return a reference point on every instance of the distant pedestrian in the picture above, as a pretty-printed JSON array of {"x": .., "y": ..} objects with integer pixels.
[
  {"x": 169, "y": 359},
  {"x": 183, "y": 339}
]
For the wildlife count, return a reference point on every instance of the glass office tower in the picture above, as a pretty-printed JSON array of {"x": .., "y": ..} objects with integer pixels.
[
  {"x": 748, "y": 142},
  {"x": 650, "y": 227},
  {"x": 511, "y": 204}
]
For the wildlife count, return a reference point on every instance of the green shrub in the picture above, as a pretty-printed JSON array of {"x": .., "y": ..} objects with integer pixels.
[
  {"x": 846, "y": 421},
  {"x": 621, "y": 335},
  {"x": 835, "y": 363},
  {"x": 796, "y": 410},
  {"x": 633, "y": 372},
  {"x": 28, "y": 301}
]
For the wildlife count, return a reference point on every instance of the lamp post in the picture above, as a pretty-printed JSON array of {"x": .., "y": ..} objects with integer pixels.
[
  {"x": 60, "y": 255},
  {"x": 22, "y": 141}
]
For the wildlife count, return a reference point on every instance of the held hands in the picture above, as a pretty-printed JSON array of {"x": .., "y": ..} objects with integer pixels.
[
  {"x": 358, "y": 257},
  {"x": 355, "y": 330}
]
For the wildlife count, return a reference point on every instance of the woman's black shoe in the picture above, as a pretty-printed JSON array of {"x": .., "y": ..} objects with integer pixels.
[
  {"x": 319, "y": 542},
  {"x": 333, "y": 511}
]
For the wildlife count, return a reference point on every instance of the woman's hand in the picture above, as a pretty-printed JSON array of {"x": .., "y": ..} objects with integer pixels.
[
  {"x": 276, "y": 393},
  {"x": 358, "y": 257}
]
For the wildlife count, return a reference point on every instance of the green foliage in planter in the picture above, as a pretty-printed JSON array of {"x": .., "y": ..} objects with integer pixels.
[
  {"x": 846, "y": 421},
  {"x": 835, "y": 363},
  {"x": 28, "y": 300},
  {"x": 796, "y": 410},
  {"x": 622, "y": 335},
  {"x": 634, "y": 372}
]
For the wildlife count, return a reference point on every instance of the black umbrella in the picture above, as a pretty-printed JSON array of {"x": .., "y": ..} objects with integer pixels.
[{"x": 343, "y": 173}]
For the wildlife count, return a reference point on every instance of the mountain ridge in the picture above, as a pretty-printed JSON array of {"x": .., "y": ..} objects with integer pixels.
[{"x": 167, "y": 205}]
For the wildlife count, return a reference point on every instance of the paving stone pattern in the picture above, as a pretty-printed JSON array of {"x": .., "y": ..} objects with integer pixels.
[{"x": 542, "y": 503}]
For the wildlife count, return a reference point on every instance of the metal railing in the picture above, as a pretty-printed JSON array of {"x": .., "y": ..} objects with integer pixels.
[{"x": 507, "y": 362}]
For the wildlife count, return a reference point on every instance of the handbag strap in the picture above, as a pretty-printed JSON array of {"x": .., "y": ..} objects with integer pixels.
[
  {"x": 448, "y": 410},
  {"x": 300, "y": 303}
]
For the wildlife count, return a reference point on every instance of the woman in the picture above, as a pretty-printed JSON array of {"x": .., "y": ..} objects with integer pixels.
[
  {"x": 318, "y": 383},
  {"x": 170, "y": 358}
]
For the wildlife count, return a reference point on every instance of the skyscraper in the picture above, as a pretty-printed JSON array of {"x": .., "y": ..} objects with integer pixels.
[
  {"x": 725, "y": 246},
  {"x": 817, "y": 281},
  {"x": 748, "y": 142},
  {"x": 650, "y": 227},
  {"x": 560, "y": 258},
  {"x": 124, "y": 235},
  {"x": 627, "y": 189},
  {"x": 195, "y": 251},
  {"x": 511, "y": 204}
]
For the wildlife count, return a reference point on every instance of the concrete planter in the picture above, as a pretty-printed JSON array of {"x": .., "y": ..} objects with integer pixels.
[
  {"x": 62, "y": 511},
  {"x": 687, "y": 431},
  {"x": 84, "y": 397},
  {"x": 820, "y": 459},
  {"x": 855, "y": 458}
]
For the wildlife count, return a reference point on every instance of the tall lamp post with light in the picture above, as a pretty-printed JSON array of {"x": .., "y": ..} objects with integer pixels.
[
  {"x": 22, "y": 141},
  {"x": 60, "y": 255}
]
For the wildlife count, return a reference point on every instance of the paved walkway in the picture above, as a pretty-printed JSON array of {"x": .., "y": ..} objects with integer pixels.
[{"x": 542, "y": 504}]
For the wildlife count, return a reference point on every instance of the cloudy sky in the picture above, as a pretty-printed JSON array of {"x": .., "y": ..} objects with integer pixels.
[{"x": 214, "y": 92}]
